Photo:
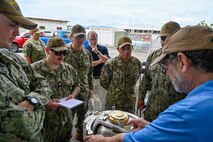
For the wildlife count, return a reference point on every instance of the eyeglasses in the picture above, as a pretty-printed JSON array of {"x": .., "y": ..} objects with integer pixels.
[
  {"x": 164, "y": 64},
  {"x": 164, "y": 68},
  {"x": 59, "y": 53}
]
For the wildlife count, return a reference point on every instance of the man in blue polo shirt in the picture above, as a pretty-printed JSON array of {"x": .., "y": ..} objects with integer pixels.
[
  {"x": 100, "y": 56},
  {"x": 187, "y": 59}
]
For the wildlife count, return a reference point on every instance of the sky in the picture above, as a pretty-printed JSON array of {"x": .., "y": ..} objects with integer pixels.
[{"x": 118, "y": 13}]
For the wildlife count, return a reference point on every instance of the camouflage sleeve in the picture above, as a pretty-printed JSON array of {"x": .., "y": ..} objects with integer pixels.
[
  {"x": 27, "y": 49},
  {"x": 145, "y": 82},
  {"x": 90, "y": 74},
  {"x": 38, "y": 84},
  {"x": 106, "y": 75},
  {"x": 17, "y": 123},
  {"x": 3, "y": 99}
]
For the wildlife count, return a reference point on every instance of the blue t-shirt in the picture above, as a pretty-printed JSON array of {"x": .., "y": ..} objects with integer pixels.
[
  {"x": 104, "y": 51},
  {"x": 189, "y": 120}
]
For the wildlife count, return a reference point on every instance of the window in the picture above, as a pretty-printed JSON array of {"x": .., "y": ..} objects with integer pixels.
[
  {"x": 59, "y": 28},
  {"x": 42, "y": 27}
]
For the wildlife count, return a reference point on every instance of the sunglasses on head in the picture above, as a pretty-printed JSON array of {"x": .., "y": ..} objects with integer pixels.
[{"x": 59, "y": 53}]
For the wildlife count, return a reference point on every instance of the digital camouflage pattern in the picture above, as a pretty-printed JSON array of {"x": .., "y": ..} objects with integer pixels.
[
  {"x": 162, "y": 92},
  {"x": 34, "y": 49},
  {"x": 18, "y": 80},
  {"x": 58, "y": 123},
  {"x": 83, "y": 64},
  {"x": 119, "y": 80}
]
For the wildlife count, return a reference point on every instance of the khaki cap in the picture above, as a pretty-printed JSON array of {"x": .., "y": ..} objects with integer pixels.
[
  {"x": 57, "y": 44},
  {"x": 168, "y": 28},
  {"x": 36, "y": 30},
  {"x": 11, "y": 9},
  {"x": 124, "y": 41},
  {"x": 78, "y": 30},
  {"x": 190, "y": 38}
]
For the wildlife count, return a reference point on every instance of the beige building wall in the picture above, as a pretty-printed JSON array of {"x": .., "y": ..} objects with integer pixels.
[{"x": 48, "y": 24}]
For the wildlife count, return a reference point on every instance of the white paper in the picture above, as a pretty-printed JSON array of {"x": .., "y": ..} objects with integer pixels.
[{"x": 70, "y": 103}]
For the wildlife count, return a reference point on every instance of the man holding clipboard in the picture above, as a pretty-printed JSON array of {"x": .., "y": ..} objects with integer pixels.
[{"x": 64, "y": 82}]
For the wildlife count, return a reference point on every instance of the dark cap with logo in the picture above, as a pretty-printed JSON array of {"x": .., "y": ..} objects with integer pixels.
[
  {"x": 78, "y": 30},
  {"x": 11, "y": 9}
]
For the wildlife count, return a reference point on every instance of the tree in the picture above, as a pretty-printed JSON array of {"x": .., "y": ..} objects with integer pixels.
[{"x": 203, "y": 23}]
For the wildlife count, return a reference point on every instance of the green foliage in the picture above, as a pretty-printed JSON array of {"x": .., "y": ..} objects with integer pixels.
[{"x": 203, "y": 23}]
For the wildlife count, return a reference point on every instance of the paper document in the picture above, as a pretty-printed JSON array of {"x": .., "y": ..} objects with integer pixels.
[{"x": 70, "y": 103}]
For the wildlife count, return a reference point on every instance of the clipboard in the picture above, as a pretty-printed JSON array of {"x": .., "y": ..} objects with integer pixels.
[{"x": 71, "y": 103}]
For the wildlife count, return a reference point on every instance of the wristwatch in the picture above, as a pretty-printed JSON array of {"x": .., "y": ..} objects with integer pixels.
[{"x": 33, "y": 101}]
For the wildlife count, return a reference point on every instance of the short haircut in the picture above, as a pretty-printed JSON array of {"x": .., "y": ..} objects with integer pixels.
[{"x": 92, "y": 32}]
